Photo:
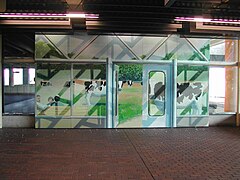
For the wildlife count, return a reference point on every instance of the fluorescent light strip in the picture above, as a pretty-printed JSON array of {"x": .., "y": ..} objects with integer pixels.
[
  {"x": 47, "y": 15},
  {"x": 189, "y": 19}
]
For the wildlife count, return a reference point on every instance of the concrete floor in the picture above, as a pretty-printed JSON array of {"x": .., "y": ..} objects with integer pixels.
[{"x": 183, "y": 153}]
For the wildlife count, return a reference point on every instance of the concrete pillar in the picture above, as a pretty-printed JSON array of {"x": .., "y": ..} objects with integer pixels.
[
  {"x": 230, "y": 77},
  {"x": 1, "y": 79},
  {"x": 11, "y": 76},
  {"x": 25, "y": 76},
  {"x": 238, "y": 85}
]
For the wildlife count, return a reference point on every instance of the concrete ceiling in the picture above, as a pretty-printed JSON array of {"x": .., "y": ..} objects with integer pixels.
[{"x": 152, "y": 17}]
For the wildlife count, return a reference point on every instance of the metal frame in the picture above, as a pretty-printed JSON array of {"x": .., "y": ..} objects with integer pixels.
[
  {"x": 86, "y": 46},
  {"x": 209, "y": 63},
  {"x": 174, "y": 94},
  {"x": 109, "y": 93},
  {"x": 145, "y": 61},
  {"x": 167, "y": 69},
  {"x": 86, "y": 61},
  {"x": 238, "y": 85},
  {"x": 160, "y": 45},
  {"x": 129, "y": 48},
  {"x": 196, "y": 49},
  {"x": 57, "y": 49},
  {"x": 1, "y": 81},
  {"x": 71, "y": 116}
]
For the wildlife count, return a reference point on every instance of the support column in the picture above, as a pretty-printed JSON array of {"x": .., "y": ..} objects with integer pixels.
[
  {"x": 1, "y": 80},
  {"x": 238, "y": 85},
  {"x": 25, "y": 76},
  {"x": 230, "y": 77},
  {"x": 109, "y": 80}
]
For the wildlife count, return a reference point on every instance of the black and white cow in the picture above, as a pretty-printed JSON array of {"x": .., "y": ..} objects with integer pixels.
[{"x": 121, "y": 83}]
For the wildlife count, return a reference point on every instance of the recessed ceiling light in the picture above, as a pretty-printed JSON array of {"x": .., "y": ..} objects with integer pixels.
[
  {"x": 47, "y": 15},
  {"x": 190, "y": 19}
]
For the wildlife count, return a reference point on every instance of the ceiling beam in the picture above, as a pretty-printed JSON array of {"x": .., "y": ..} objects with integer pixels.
[
  {"x": 3, "y": 5},
  {"x": 168, "y": 3}
]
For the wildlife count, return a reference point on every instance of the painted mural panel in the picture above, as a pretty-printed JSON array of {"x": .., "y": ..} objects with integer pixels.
[
  {"x": 130, "y": 95},
  {"x": 89, "y": 90},
  {"x": 83, "y": 46},
  {"x": 52, "y": 90},
  {"x": 194, "y": 49},
  {"x": 185, "y": 49},
  {"x": 83, "y": 87},
  {"x": 192, "y": 90},
  {"x": 70, "y": 96},
  {"x": 52, "y": 95}
]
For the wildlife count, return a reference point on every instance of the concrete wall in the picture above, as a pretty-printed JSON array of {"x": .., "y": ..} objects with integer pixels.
[
  {"x": 222, "y": 120},
  {"x": 214, "y": 120},
  {"x": 20, "y": 89},
  {"x": 28, "y": 121},
  {"x": 18, "y": 121}
]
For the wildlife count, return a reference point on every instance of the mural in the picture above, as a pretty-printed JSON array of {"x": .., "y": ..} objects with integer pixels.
[
  {"x": 62, "y": 101},
  {"x": 189, "y": 95},
  {"x": 77, "y": 91},
  {"x": 83, "y": 46},
  {"x": 192, "y": 90}
]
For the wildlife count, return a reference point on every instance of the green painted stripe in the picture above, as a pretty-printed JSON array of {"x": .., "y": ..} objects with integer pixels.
[
  {"x": 204, "y": 110},
  {"x": 188, "y": 109},
  {"x": 38, "y": 87},
  {"x": 65, "y": 101},
  {"x": 202, "y": 50},
  {"x": 64, "y": 111},
  {"x": 196, "y": 75},
  {"x": 168, "y": 56},
  {"x": 76, "y": 99},
  {"x": 180, "y": 69}
]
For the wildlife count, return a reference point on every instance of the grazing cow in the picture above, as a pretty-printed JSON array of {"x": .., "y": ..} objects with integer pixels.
[
  {"x": 96, "y": 88},
  {"x": 120, "y": 85},
  {"x": 130, "y": 83},
  {"x": 189, "y": 94}
]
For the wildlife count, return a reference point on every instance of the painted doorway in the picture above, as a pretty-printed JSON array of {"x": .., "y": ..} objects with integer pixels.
[
  {"x": 142, "y": 95},
  {"x": 157, "y": 96}
]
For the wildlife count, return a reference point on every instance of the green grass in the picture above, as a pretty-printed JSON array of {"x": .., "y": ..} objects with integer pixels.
[
  {"x": 130, "y": 103},
  {"x": 128, "y": 111}
]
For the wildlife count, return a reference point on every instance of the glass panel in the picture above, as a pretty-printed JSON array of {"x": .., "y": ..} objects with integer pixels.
[
  {"x": 156, "y": 94},
  {"x": 89, "y": 90},
  {"x": 18, "y": 94},
  {"x": 31, "y": 76},
  {"x": 189, "y": 49},
  {"x": 6, "y": 76},
  {"x": 168, "y": 50},
  {"x": 222, "y": 89},
  {"x": 116, "y": 94},
  {"x": 17, "y": 76},
  {"x": 192, "y": 90},
  {"x": 223, "y": 50},
  {"x": 53, "y": 90}
]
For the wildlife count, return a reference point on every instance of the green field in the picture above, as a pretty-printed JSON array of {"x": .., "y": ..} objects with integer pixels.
[{"x": 130, "y": 102}]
